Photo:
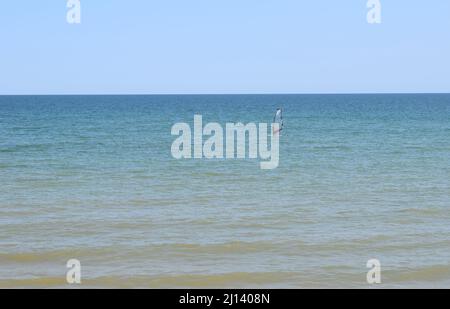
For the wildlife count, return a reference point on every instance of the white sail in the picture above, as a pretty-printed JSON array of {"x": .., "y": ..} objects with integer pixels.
[{"x": 278, "y": 118}]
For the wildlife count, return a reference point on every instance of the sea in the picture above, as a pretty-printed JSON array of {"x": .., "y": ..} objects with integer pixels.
[{"x": 92, "y": 178}]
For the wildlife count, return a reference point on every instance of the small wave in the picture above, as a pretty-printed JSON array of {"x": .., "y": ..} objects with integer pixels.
[
  {"x": 47, "y": 282},
  {"x": 432, "y": 273},
  {"x": 50, "y": 256},
  {"x": 422, "y": 211},
  {"x": 235, "y": 279},
  {"x": 236, "y": 247},
  {"x": 331, "y": 148},
  {"x": 22, "y": 148}
]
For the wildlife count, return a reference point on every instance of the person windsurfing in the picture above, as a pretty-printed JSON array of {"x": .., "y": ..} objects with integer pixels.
[{"x": 278, "y": 118}]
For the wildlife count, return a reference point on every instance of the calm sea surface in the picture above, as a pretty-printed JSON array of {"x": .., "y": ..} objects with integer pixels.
[{"x": 92, "y": 178}]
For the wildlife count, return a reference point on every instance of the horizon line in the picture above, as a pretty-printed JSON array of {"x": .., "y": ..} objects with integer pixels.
[{"x": 223, "y": 94}]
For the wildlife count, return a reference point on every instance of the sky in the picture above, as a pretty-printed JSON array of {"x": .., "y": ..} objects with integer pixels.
[{"x": 224, "y": 46}]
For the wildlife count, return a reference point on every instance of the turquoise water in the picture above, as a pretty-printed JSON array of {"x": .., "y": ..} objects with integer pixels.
[{"x": 92, "y": 178}]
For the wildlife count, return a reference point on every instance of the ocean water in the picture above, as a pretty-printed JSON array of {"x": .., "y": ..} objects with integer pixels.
[{"x": 92, "y": 178}]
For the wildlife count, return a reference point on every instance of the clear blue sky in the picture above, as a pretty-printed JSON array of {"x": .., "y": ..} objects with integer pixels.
[{"x": 224, "y": 46}]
